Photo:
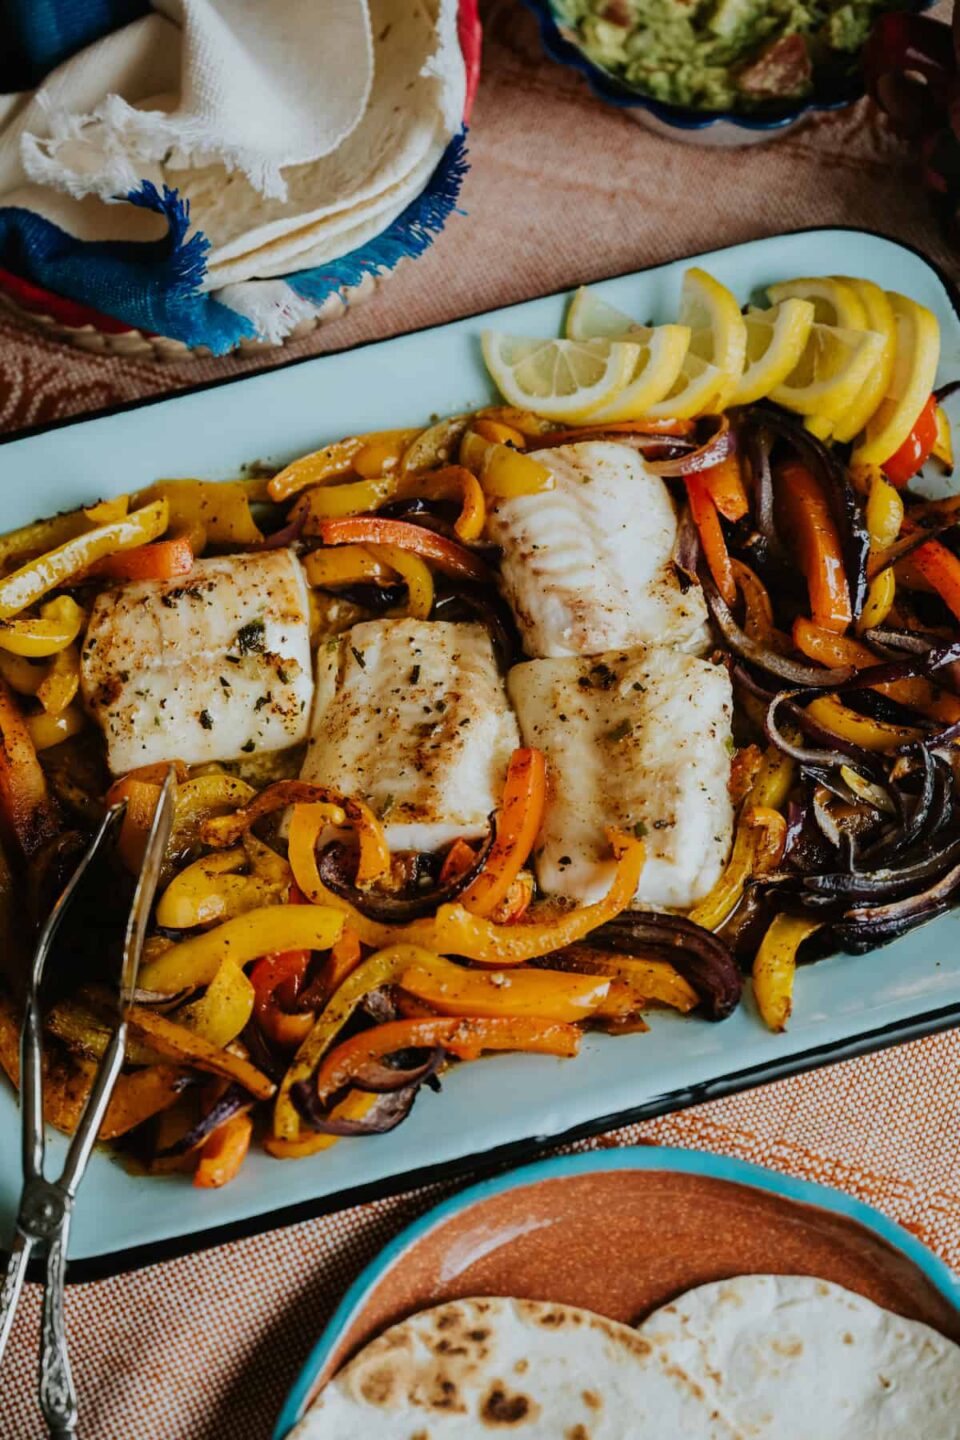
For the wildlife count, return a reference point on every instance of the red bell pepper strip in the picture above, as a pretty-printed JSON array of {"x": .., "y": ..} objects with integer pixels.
[
  {"x": 811, "y": 526},
  {"x": 518, "y": 824},
  {"x": 724, "y": 481},
  {"x": 161, "y": 560},
  {"x": 449, "y": 557},
  {"x": 224, "y": 1153},
  {"x": 704, "y": 511},
  {"x": 277, "y": 981},
  {"x": 941, "y": 569},
  {"x": 465, "y": 1038},
  {"x": 904, "y": 463}
]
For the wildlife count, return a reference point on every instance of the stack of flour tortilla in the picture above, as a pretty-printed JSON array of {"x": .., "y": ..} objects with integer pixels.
[{"x": 758, "y": 1357}]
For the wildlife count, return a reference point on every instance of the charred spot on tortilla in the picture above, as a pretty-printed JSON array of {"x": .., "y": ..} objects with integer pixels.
[{"x": 500, "y": 1408}]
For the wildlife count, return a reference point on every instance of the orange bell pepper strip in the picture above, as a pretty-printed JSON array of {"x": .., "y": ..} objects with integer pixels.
[
  {"x": 450, "y": 558},
  {"x": 345, "y": 955},
  {"x": 705, "y": 517},
  {"x": 451, "y": 989},
  {"x": 377, "y": 450},
  {"x": 517, "y": 900},
  {"x": 757, "y": 608},
  {"x": 806, "y": 511},
  {"x": 456, "y": 862},
  {"x": 724, "y": 482},
  {"x": 27, "y": 809},
  {"x": 465, "y": 1038},
  {"x": 289, "y": 968},
  {"x": 518, "y": 825},
  {"x": 451, "y": 482},
  {"x": 161, "y": 560},
  {"x": 224, "y": 1153},
  {"x": 838, "y": 651},
  {"x": 941, "y": 569}
]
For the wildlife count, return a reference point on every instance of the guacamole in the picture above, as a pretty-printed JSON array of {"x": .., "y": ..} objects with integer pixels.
[{"x": 721, "y": 54}]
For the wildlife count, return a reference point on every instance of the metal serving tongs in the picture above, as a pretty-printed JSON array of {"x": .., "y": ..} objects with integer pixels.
[{"x": 46, "y": 1206}]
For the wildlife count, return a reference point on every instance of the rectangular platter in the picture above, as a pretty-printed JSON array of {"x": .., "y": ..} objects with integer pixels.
[{"x": 509, "y": 1104}]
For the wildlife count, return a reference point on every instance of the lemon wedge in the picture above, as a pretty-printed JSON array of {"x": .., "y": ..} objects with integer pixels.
[
  {"x": 832, "y": 369},
  {"x": 912, "y": 379},
  {"x": 880, "y": 318},
  {"x": 776, "y": 339},
  {"x": 835, "y": 301},
  {"x": 590, "y": 318},
  {"x": 560, "y": 379},
  {"x": 719, "y": 332},
  {"x": 658, "y": 365}
]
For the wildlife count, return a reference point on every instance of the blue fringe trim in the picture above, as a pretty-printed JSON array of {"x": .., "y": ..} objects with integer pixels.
[
  {"x": 413, "y": 232},
  {"x": 186, "y": 259}
]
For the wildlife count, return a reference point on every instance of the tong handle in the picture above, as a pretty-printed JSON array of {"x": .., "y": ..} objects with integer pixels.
[
  {"x": 16, "y": 1273},
  {"x": 58, "y": 1396}
]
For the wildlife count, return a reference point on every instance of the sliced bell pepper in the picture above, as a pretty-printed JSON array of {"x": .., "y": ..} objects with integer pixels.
[
  {"x": 288, "y": 968},
  {"x": 178, "y": 1043},
  {"x": 47, "y": 730},
  {"x": 345, "y": 565},
  {"x": 913, "y": 454},
  {"x": 499, "y": 433},
  {"x": 142, "y": 798},
  {"x": 106, "y": 511},
  {"x": 517, "y": 900},
  {"x": 456, "y": 862},
  {"x": 207, "y": 890},
  {"x": 757, "y": 847},
  {"x": 453, "y": 930},
  {"x": 806, "y": 513},
  {"x": 434, "y": 446},
  {"x": 332, "y": 502},
  {"x": 449, "y": 557},
  {"x": 704, "y": 513},
  {"x": 42, "y": 535},
  {"x": 518, "y": 825},
  {"x": 941, "y": 569},
  {"x": 775, "y": 964},
  {"x": 344, "y": 957},
  {"x": 19, "y": 674},
  {"x": 884, "y": 516},
  {"x": 416, "y": 574},
  {"x": 502, "y": 471},
  {"x": 217, "y": 510},
  {"x": 195, "y": 961},
  {"x": 340, "y": 458},
  {"x": 60, "y": 684},
  {"x": 32, "y": 581},
  {"x": 873, "y": 735},
  {"x": 224, "y": 1152},
  {"x": 382, "y": 454},
  {"x": 355, "y": 1105},
  {"x": 724, "y": 484},
  {"x": 161, "y": 560},
  {"x": 223, "y": 1010},
  {"x": 465, "y": 1038},
  {"x": 26, "y": 807},
  {"x": 57, "y": 626},
  {"x": 839, "y": 651},
  {"x": 943, "y": 448},
  {"x": 650, "y": 982},
  {"x": 452, "y": 989},
  {"x": 452, "y": 482}
]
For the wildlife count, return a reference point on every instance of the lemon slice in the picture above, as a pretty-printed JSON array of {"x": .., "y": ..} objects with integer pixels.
[
  {"x": 776, "y": 339},
  {"x": 835, "y": 301},
  {"x": 833, "y": 368},
  {"x": 880, "y": 318},
  {"x": 658, "y": 366},
  {"x": 696, "y": 391},
  {"x": 719, "y": 332},
  {"x": 912, "y": 379},
  {"x": 559, "y": 379},
  {"x": 590, "y": 318}
]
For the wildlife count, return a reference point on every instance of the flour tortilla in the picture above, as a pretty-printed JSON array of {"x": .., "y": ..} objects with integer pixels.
[
  {"x": 475, "y": 1368},
  {"x": 795, "y": 1358}
]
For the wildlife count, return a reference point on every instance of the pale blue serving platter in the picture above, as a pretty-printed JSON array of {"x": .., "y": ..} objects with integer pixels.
[{"x": 508, "y": 1105}]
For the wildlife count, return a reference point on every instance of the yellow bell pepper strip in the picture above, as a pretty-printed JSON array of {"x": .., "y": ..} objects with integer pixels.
[
  {"x": 331, "y": 502},
  {"x": 32, "y": 581},
  {"x": 42, "y": 535},
  {"x": 452, "y": 989},
  {"x": 211, "y": 889},
  {"x": 449, "y": 557},
  {"x": 884, "y": 517},
  {"x": 839, "y": 651},
  {"x": 530, "y": 425},
  {"x": 355, "y": 1105},
  {"x": 943, "y": 445},
  {"x": 502, "y": 471},
  {"x": 384, "y": 453},
  {"x": 220, "y": 509},
  {"x": 417, "y": 575},
  {"x": 57, "y": 626},
  {"x": 873, "y": 735},
  {"x": 161, "y": 560},
  {"x": 26, "y": 808},
  {"x": 775, "y": 964},
  {"x": 346, "y": 565},
  {"x": 333, "y": 461},
  {"x": 650, "y": 982},
  {"x": 704, "y": 513},
  {"x": 195, "y": 961},
  {"x": 941, "y": 570},
  {"x": 499, "y": 433},
  {"x": 434, "y": 446},
  {"x": 808, "y": 520},
  {"x": 452, "y": 482},
  {"x": 724, "y": 484},
  {"x": 757, "y": 848},
  {"x": 187, "y": 1048},
  {"x": 19, "y": 674},
  {"x": 224, "y": 1152},
  {"x": 466, "y": 1038},
  {"x": 47, "y": 730},
  {"x": 223, "y": 1010},
  {"x": 453, "y": 930},
  {"x": 59, "y": 686},
  {"x": 105, "y": 512},
  {"x": 518, "y": 825}
]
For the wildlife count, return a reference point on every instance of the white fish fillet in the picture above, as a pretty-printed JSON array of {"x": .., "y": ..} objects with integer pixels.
[
  {"x": 640, "y": 740},
  {"x": 209, "y": 666},
  {"x": 587, "y": 566},
  {"x": 412, "y": 716}
]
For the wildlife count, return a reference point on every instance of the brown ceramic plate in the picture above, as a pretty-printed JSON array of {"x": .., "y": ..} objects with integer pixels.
[{"x": 623, "y": 1231}]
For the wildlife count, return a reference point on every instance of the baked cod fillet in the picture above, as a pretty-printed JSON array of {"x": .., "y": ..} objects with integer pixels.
[
  {"x": 412, "y": 716},
  {"x": 640, "y": 740},
  {"x": 210, "y": 666},
  {"x": 587, "y": 566}
]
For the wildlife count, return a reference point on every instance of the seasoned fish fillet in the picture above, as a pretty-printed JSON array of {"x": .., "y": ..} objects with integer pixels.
[
  {"x": 210, "y": 666},
  {"x": 640, "y": 740},
  {"x": 587, "y": 566},
  {"x": 412, "y": 716}
]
